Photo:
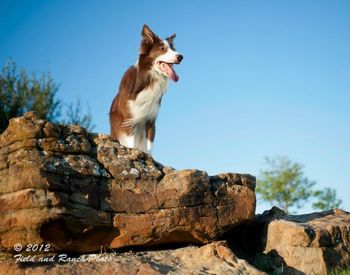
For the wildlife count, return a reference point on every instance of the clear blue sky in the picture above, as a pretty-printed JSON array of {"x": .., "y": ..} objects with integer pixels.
[{"x": 259, "y": 78}]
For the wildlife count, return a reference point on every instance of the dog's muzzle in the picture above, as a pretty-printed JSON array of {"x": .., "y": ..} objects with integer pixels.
[{"x": 179, "y": 58}]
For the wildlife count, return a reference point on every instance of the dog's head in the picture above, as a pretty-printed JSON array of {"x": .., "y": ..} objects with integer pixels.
[{"x": 158, "y": 54}]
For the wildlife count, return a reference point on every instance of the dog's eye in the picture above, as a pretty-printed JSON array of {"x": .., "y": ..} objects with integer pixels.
[{"x": 162, "y": 48}]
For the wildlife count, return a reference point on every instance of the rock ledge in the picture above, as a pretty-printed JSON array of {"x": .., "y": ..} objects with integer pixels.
[{"x": 77, "y": 191}]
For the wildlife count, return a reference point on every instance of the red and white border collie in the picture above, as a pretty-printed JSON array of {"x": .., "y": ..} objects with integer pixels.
[{"x": 135, "y": 108}]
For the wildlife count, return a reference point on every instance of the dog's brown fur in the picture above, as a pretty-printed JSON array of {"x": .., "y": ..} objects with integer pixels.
[{"x": 136, "y": 79}]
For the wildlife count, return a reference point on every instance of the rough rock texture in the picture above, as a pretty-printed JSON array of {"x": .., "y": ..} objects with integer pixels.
[
  {"x": 214, "y": 258},
  {"x": 76, "y": 191},
  {"x": 314, "y": 243}
]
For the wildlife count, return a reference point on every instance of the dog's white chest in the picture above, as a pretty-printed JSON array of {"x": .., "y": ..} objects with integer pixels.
[{"x": 146, "y": 105}]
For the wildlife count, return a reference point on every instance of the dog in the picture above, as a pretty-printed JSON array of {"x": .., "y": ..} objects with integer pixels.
[{"x": 135, "y": 108}]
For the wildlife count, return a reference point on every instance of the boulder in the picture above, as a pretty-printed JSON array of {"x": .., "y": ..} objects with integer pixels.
[
  {"x": 315, "y": 243},
  {"x": 78, "y": 192},
  {"x": 214, "y": 258}
]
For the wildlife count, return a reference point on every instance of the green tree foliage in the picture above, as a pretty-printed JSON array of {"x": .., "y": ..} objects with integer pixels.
[
  {"x": 283, "y": 183},
  {"x": 21, "y": 92},
  {"x": 326, "y": 199}
]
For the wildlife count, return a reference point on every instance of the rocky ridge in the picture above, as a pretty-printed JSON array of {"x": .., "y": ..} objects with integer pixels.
[
  {"x": 79, "y": 191},
  {"x": 213, "y": 258},
  {"x": 315, "y": 243},
  {"x": 75, "y": 193}
]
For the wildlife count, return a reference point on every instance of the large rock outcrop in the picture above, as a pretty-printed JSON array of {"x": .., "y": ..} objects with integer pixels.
[
  {"x": 76, "y": 191},
  {"x": 214, "y": 258},
  {"x": 315, "y": 243}
]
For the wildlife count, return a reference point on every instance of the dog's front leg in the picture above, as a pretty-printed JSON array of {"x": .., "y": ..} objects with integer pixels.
[
  {"x": 128, "y": 140},
  {"x": 150, "y": 134}
]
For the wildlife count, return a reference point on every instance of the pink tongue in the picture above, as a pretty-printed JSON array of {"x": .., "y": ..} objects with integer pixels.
[{"x": 167, "y": 69}]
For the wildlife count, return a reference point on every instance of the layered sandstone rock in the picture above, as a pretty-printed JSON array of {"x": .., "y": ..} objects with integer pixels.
[
  {"x": 314, "y": 243},
  {"x": 76, "y": 191},
  {"x": 214, "y": 258}
]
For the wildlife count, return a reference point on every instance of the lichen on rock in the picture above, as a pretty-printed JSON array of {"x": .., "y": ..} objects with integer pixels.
[{"x": 79, "y": 191}]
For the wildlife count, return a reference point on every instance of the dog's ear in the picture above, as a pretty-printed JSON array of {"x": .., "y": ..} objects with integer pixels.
[
  {"x": 148, "y": 38},
  {"x": 170, "y": 40},
  {"x": 147, "y": 34}
]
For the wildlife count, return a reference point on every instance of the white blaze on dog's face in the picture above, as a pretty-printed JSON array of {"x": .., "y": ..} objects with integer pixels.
[
  {"x": 160, "y": 54},
  {"x": 164, "y": 63}
]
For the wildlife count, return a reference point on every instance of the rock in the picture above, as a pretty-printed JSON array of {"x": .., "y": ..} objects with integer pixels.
[
  {"x": 314, "y": 243},
  {"x": 214, "y": 258},
  {"x": 76, "y": 191}
]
